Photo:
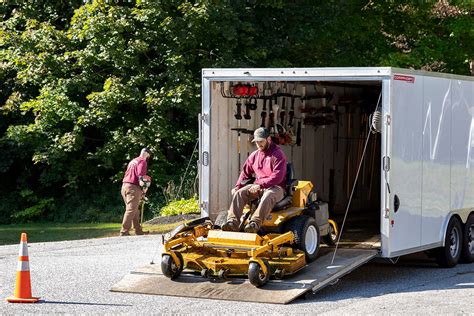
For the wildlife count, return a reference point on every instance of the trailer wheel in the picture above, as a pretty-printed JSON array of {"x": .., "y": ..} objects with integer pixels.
[
  {"x": 331, "y": 238},
  {"x": 448, "y": 256},
  {"x": 221, "y": 219},
  {"x": 467, "y": 253},
  {"x": 256, "y": 275},
  {"x": 169, "y": 267},
  {"x": 307, "y": 235}
]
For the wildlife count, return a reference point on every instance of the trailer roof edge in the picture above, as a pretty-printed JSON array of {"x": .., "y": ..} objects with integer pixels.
[{"x": 363, "y": 73}]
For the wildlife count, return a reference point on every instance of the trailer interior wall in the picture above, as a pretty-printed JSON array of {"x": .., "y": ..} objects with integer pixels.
[{"x": 328, "y": 155}]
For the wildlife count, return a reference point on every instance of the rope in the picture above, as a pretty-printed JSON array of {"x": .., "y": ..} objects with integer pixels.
[
  {"x": 185, "y": 173},
  {"x": 354, "y": 185}
]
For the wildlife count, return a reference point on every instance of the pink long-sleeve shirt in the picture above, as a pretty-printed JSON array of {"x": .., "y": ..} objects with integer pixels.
[
  {"x": 269, "y": 167},
  {"x": 136, "y": 168}
]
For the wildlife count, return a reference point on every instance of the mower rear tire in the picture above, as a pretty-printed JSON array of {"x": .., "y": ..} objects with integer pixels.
[
  {"x": 256, "y": 275},
  {"x": 307, "y": 236},
  {"x": 169, "y": 267}
]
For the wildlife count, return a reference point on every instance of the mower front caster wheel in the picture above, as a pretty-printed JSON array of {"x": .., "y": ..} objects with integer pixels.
[
  {"x": 223, "y": 274},
  {"x": 205, "y": 273},
  {"x": 256, "y": 275},
  {"x": 169, "y": 268}
]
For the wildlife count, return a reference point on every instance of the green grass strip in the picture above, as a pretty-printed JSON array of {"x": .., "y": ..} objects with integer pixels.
[{"x": 44, "y": 232}]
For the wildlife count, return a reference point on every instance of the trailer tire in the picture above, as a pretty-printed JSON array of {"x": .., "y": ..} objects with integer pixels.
[
  {"x": 448, "y": 256},
  {"x": 331, "y": 238},
  {"x": 169, "y": 267},
  {"x": 221, "y": 219},
  {"x": 307, "y": 236},
  {"x": 256, "y": 275},
  {"x": 467, "y": 253}
]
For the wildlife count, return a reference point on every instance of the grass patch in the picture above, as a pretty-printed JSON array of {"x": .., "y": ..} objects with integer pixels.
[{"x": 43, "y": 232}]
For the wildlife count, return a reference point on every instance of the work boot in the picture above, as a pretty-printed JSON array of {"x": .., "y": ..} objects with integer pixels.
[
  {"x": 252, "y": 227},
  {"x": 230, "y": 227},
  {"x": 124, "y": 234},
  {"x": 142, "y": 232}
]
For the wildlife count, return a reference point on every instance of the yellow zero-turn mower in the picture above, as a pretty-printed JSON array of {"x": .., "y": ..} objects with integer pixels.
[{"x": 289, "y": 239}]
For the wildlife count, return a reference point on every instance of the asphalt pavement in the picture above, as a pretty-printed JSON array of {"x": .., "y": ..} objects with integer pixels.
[{"x": 74, "y": 277}]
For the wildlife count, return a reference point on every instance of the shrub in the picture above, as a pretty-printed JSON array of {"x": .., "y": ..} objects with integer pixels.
[{"x": 182, "y": 206}]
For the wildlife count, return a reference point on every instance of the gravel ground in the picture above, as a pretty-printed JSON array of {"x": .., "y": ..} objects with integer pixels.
[
  {"x": 74, "y": 277},
  {"x": 172, "y": 219}
]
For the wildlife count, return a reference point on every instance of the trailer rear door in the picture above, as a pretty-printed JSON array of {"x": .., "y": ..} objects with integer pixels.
[{"x": 403, "y": 127}]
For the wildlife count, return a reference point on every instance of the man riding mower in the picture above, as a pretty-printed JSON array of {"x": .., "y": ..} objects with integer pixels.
[{"x": 287, "y": 240}]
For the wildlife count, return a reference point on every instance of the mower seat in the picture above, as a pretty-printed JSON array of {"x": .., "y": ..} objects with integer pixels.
[{"x": 291, "y": 182}]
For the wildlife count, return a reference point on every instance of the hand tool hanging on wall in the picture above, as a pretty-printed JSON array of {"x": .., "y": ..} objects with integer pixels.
[
  {"x": 238, "y": 129},
  {"x": 263, "y": 115},
  {"x": 283, "y": 107},
  {"x": 298, "y": 134},
  {"x": 238, "y": 113},
  {"x": 249, "y": 106},
  {"x": 238, "y": 116},
  {"x": 303, "y": 106},
  {"x": 247, "y": 110},
  {"x": 275, "y": 108},
  {"x": 271, "y": 118},
  {"x": 253, "y": 103},
  {"x": 291, "y": 113}
]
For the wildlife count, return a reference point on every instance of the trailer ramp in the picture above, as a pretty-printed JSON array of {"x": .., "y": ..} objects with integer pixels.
[{"x": 314, "y": 277}]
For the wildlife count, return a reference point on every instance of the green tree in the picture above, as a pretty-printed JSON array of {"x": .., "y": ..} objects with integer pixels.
[{"x": 85, "y": 85}]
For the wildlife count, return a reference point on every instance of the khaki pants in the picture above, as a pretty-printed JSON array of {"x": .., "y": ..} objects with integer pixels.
[
  {"x": 242, "y": 197},
  {"x": 131, "y": 195}
]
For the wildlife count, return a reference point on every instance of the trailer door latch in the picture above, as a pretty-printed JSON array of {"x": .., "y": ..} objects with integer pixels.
[
  {"x": 386, "y": 163},
  {"x": 205, "y": 158}
]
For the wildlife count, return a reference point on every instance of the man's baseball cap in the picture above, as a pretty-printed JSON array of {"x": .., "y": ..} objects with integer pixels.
[
  {"x": 146, "y": 150},
  {"x": 260, "y": 134}
]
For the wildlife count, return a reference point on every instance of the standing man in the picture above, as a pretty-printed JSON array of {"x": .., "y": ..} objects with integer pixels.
[
  {"x": 132, "y": 192},
  {"x": 268, "y": 163}
]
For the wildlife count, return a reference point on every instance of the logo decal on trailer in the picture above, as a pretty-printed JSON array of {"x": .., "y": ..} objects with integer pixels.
[{"x": 409, "y": 79}]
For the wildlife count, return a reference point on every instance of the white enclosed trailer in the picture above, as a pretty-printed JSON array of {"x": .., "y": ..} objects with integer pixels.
[
  {"x": 414, "y": 191},
  {"x": 417, "y": 174}
]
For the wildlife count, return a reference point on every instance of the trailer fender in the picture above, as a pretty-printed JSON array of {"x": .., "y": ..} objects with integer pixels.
[{"x": 444, "y": 227}]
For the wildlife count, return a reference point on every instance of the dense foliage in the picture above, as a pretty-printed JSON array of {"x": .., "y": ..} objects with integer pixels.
[{"x": 85, "y": 85}]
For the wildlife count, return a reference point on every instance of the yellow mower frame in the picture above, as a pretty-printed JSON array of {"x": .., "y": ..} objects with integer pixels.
[{"x": 199, "y": 247}]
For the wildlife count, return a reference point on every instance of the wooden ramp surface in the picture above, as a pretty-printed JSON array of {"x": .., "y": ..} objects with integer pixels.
[{"x": 315, "y": 276}]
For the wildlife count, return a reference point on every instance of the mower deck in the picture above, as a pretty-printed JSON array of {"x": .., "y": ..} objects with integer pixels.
[
  {"x": 224, "y": 254},
  {"x": 230, "y": 253}
]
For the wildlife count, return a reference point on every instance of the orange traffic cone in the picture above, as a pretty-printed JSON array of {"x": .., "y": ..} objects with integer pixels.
[{"x": 23, "y": 283}]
